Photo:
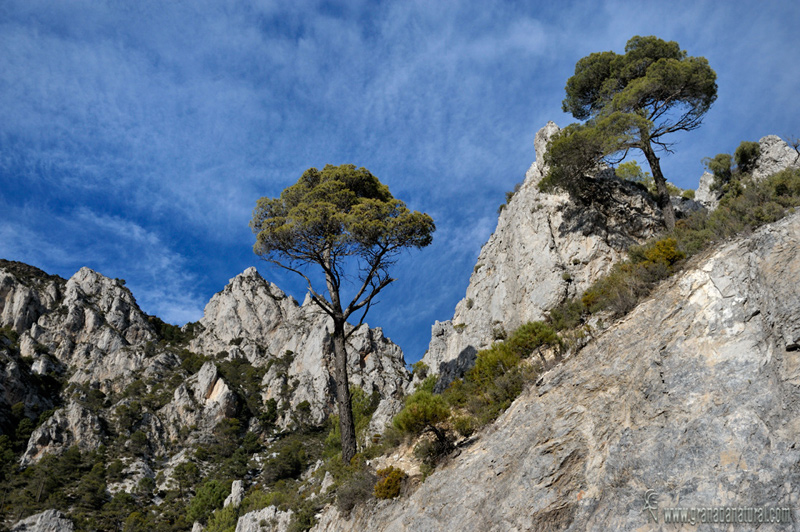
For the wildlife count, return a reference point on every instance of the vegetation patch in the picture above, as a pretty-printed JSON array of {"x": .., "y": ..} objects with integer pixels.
[{"x": 390, "y": 481}]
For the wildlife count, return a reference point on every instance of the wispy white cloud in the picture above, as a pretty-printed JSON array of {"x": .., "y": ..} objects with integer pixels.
[{"x": 158, "y": 125}]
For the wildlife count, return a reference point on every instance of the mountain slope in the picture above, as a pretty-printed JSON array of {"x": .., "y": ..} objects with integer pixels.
[{"x": 695, "y": 395}]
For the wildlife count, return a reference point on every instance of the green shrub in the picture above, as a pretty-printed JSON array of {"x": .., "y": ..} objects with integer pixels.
[
  {"x": 567, "y": 315},
  {"x": 491, "y": 363},
  {"x": 209, "y": 497},
  {"x": 464, "y": 425},
  {"x": 11, "y": 337},
  {"x": 532, "y": 336},
  {"x": 422, "y": 410},
  {"x": 139, "y": 443},
  {"x": 191, "y": 362},
  {"x": 223, "y": 520},
  {"x": 746, "y": 156},
  {"x": 390, "y": 480},
  {"x": 720, "y": 166},
  {"x": 289, "y": 461},
  {"x": 420, "y": 369}
]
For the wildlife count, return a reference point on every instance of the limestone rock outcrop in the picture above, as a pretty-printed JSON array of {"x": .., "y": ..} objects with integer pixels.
[
  {"x": 273, "y": 519},
  {"x": 72, "y": 425},
  {"x": 709, "y": 198},
  {"x": 254, "y": 319},
  {"x": 47, "y": 521},
  {"x": 546, "y": 248},
  {"x": 88, "y": 334},
  {"x": 775, "y": 156},
  {"x": 694, "y": 395}
]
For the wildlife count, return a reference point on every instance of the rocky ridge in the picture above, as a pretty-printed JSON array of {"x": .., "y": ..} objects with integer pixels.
[
  {"x": 121, "y": 379},
  {"x": 255, "y": 320},
  {"x": 546, "y": 248}
]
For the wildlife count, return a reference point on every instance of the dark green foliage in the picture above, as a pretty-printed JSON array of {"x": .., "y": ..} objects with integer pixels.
[
  {"x": 721, "y": 167},
  {"x": 92, "y": 398},
  {"x": 227, "y": 435},
  {"x": 114, "y": 470},
  {"x": 209, "y": 497},
  {"x": 172, "y": 334},
  {"x": 746, "y": 156},
  {"x": 422, "y": 410},
  {"x": 136, "y": 389},
  {"x": 138, "y": 443},
  {"x": 25, "y": 428},
  {"x": 567, "y": 315},
  {"x": 9, "y": 337},
  {"x": 390, "y": 480},
  {"x": 245, "y": 380},
  {"x": 7, "y": 460},
  {"x": 191, "y": 362},
  {"x": 186, "y": 474},
  {"x": 128, "y": 416},
  {"x": 71, "y": 480},
  {"x": 29, "y": 275},
  {"x": 269, "y": 414},
  {"x": 289, "y": 461}
]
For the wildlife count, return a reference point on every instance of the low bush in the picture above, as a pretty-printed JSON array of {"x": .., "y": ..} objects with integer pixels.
[
  {"x": 390, "y": 480},
  {"x": 423, "y": 410},
  {"x": 357, "y": 489}
]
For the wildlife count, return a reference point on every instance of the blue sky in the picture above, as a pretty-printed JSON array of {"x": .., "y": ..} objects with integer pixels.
[{"x": 136, "y": 140}]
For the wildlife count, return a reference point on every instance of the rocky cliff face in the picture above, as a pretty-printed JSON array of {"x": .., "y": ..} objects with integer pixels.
[
  {"x": 88, "y": 333},
  {"x": 254, "y": 319},
  {"x": 694, "y": 395},
  {"x": 546, "y": 248}
]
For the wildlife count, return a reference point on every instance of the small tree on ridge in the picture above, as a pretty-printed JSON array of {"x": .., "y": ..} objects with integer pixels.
[{"x": 630, "y": 101}]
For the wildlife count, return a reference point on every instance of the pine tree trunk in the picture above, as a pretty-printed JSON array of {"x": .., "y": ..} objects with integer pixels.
[
  {"x": 664, "y": 202},
  {"x": 346, "y": 422}
]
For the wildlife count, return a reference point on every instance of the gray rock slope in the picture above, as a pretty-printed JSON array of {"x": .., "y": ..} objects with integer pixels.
[
  {"x": 546, "y": 248},
  {"x": 694, "y": 395}
]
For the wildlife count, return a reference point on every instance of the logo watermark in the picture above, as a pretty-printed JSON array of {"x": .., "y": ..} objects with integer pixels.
[{"x": 750, "y": 515}]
